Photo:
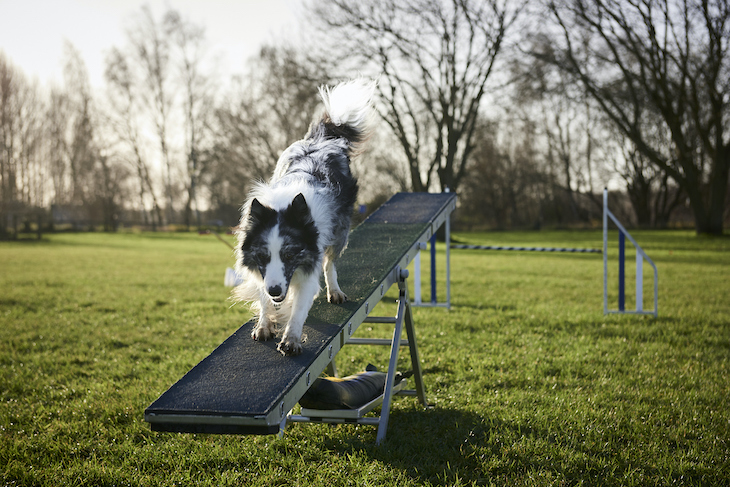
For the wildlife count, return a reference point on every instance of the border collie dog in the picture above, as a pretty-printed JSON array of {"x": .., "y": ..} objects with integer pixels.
[{"x": 296, "y": 225}]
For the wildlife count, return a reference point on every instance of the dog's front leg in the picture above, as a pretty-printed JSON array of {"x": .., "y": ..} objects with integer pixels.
[
  {"x": 306, "y": 291},
  {"x": 265, "y": 327}
]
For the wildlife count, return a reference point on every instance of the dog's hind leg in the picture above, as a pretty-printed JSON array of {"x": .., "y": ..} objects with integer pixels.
[
  {"x": 334, "y": 293},
  {"x": 265, "y": 327}
]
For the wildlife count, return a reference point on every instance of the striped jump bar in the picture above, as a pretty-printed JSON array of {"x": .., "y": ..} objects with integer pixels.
[{"x": 527, "y": 249}]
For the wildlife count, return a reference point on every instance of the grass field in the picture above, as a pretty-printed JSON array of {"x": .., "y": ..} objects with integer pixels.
[{"x": 531, "y": 384}]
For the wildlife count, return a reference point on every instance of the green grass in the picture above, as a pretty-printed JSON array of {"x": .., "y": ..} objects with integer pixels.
[{"x": 531, "y": 384}]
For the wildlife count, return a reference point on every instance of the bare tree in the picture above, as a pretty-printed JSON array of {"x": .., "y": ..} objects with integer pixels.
[
  {"x": 434, "y": 58},
  {"x": 8, "y": 123},
  {"x": 506, "y": 188},
  {"x": 125, "y": 115},
  {"x": 23, "y": 181},
  {"x": 72, "y": 154},
  {"x": 32, "y": 176},
  {"x": 86, "y": 180},
  {"x": 56, "y": 139},
  {"x": 665, "y": 57},
  {"x": 108, "y": 192},
  {"x": 160, "y": 73},
  {"x": 547, "y": 94},
  {"x": 189, "y": 39},
  {"x": 150, "y": 42},
  {"x": 81, "y": 152},
  {"x": 270, "y": 107},
  {"x": 10, "y": 81},
  {"x": 652, "y": 193}
]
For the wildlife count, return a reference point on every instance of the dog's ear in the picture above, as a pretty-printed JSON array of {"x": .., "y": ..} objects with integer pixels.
[
  {"x": 299, "y": 204},
  {"x": 298, "y": 216},
  {"x": 298, "y": 211},
  {"x": 259, "y": 213}
]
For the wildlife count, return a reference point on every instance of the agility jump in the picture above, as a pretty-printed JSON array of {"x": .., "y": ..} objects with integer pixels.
[
  {"x": 641, "y": 256},
  {"x": 247, "y": 387}
]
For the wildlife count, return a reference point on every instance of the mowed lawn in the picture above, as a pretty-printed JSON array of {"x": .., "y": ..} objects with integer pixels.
[{"x": 530, "y": 383}]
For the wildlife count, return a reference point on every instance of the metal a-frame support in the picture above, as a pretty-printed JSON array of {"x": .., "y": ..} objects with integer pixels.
[{"x": 403, "y": 317}]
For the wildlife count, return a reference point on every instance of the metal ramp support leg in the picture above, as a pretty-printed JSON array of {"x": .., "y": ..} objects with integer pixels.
[
  {"x": 403, "y": 316},
  {"x": 393, "y": 363},
  {"x": 403, "y": 319}
]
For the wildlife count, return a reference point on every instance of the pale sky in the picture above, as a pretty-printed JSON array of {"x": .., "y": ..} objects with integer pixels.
[{"x": 32, "y": 32}]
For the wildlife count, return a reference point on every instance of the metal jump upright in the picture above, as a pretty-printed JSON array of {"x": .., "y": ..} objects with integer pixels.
[
  {"x": 640, "y": 257},
  {"x": 424, "y": 245}
]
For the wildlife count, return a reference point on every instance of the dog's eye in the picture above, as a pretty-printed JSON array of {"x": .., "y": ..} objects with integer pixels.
[{"x": 290, "y": 253}]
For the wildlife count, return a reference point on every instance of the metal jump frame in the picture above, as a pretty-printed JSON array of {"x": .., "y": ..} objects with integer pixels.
[
  {"x": 640, "y": 257},
  {"x": 417, "y": 300}
]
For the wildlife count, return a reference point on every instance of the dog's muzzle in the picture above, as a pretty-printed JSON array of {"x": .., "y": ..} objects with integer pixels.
[{"x": 275, "y": 293}]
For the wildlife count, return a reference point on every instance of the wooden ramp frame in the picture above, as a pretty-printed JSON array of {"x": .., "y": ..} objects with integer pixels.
[{"x": 248, "y": 387}]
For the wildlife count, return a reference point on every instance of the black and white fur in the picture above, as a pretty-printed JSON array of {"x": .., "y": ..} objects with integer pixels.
[{"x": 296, "y": 225}]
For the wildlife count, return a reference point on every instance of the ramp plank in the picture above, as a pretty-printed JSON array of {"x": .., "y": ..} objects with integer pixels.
[{"x": 245, "y": 386}]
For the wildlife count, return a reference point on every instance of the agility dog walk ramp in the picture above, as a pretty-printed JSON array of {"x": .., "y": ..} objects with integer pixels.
[{"x": 248, "y": 387}]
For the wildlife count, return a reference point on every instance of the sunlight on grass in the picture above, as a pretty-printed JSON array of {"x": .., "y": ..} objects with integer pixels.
[{"x": 531, "y": 384}]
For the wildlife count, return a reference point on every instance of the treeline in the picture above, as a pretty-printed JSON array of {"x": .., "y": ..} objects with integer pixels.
[{"x": 526, "y": 109}]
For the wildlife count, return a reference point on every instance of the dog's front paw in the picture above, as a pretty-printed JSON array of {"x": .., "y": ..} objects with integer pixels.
[
  {"x": 336, "y": 297},
  {"x": 290, "y": 346},
  {"x": 262, "y": 333}
]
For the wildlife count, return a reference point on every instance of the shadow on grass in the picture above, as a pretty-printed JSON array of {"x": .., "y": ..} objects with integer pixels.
[
  {"x": 445, "y": 446},
  {"x": 425, "y": 445},
  {"x": 456, "y": 447}
]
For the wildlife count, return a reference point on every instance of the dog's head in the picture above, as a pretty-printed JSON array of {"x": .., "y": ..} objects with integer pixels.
[{"x": 277, "y": 243}]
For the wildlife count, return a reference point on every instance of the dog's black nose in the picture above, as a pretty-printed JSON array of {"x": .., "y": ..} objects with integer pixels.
[{"x": 275, "y": 291}]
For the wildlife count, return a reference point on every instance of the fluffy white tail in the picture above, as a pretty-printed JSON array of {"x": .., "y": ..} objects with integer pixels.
[{"x": 349, "y": 103}]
